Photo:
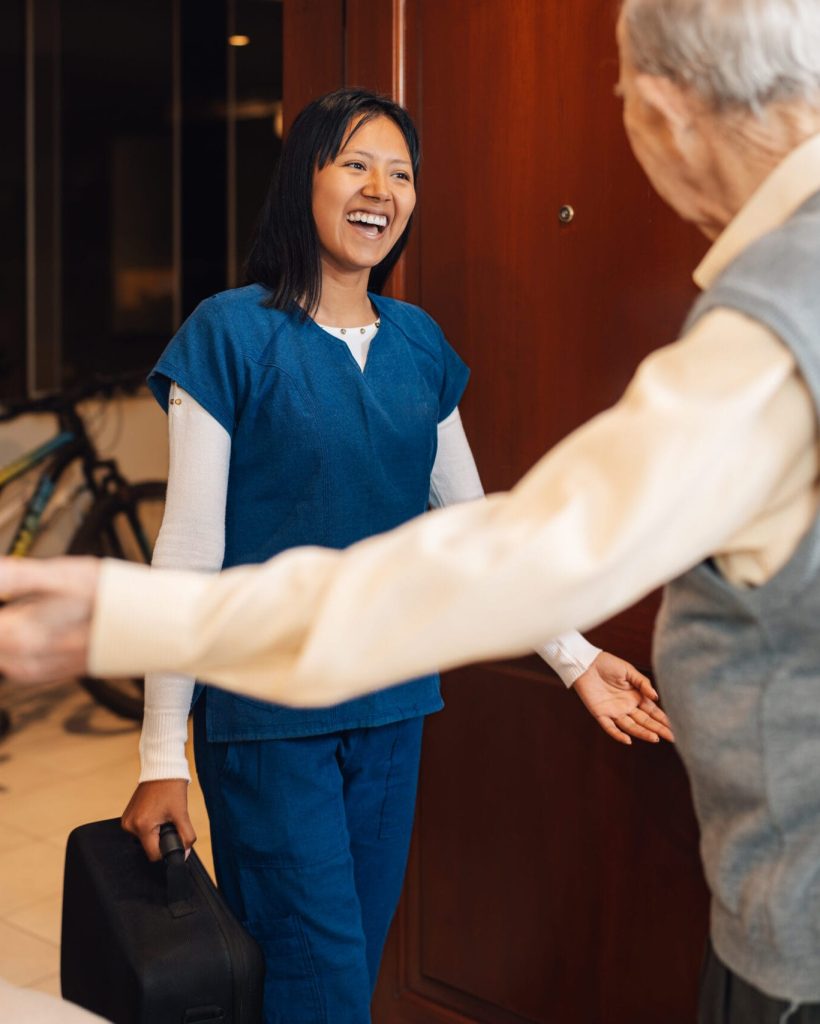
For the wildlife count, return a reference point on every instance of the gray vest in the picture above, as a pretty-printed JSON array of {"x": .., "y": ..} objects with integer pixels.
[{"x": 739, "y": 670}]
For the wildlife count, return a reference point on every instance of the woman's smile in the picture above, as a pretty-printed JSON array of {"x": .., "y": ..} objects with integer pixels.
[{"x": 369, "y": 225}]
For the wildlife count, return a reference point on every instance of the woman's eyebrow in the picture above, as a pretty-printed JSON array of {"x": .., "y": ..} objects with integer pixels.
[{"x": 370, "y": 156}]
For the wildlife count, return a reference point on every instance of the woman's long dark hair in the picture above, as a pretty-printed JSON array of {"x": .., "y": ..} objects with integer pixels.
[{"x": 284, "y": 254}]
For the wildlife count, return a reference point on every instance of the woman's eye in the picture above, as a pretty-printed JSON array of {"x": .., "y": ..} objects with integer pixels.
[
  {"x": 357, "y": 164},
  {"x": 403, "y": 175}
]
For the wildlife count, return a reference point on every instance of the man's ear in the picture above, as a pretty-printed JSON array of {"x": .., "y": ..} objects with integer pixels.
[{"x": 668, "y": 100}]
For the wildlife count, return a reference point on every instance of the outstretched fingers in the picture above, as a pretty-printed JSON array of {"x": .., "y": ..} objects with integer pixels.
[
  {"x": 635, "y": 724},
  {"x": 650, "y": 725},
  {"x": 612, "y": 730},
  {"x": 657, "y": 720},
  {"x": 641, "y": 683}
]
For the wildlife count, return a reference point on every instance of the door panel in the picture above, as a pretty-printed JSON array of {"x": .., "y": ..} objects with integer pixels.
[
  {"x": 552, "y": 317},
  {"x": 554, "y": 875},
  {"x": 313, "y": 36}
]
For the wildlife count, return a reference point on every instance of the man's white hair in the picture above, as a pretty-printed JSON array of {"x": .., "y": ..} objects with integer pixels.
[{"x": 734, "y": 53}]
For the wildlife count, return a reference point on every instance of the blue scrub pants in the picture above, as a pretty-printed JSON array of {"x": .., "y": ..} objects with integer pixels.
[{"x": 310, "y": 839}]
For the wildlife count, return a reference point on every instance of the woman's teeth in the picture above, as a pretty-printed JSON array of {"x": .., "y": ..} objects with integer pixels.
[{"x": 374, "y": 219}]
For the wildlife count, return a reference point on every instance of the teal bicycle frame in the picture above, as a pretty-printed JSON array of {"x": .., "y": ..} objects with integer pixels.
[{"x": 65, "y": 448}]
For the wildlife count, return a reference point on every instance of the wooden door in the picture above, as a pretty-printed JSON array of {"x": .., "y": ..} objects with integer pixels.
[{"x": 554, "y": 876}]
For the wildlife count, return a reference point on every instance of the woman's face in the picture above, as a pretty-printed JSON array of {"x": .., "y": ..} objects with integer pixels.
[{"x": 363, "y": 199}]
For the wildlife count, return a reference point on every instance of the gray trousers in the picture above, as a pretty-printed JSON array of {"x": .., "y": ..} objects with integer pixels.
[{"x": 727, "y": 999}]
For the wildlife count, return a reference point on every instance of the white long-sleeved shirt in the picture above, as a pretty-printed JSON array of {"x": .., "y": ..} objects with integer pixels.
[
  {"x": 193, "y": 537},
  {"x": 712, "y": 451}
]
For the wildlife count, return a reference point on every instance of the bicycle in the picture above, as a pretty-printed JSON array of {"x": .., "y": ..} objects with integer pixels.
[{"x": 122, "y": 520}]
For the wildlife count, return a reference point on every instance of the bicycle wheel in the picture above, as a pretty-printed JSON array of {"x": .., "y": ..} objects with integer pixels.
[{"x": 125, "y": 525}]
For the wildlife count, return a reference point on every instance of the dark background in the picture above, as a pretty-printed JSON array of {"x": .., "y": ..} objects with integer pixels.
[{"x": 133, "y": 192}]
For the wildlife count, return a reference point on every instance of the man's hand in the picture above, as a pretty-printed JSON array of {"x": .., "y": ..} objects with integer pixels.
[
  {"x": 154, "y": 803},
  {"x": 44, "y": 629},
  {"x": 622, "y": 701}
]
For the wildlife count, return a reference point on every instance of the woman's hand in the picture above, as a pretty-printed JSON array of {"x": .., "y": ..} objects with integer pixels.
[
  {"x": 622, "y": 701},
  {"x": 154, "y": 803}
]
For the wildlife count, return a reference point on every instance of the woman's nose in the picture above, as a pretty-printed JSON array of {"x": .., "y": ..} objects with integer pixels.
[{"x": 376, "y": 185}]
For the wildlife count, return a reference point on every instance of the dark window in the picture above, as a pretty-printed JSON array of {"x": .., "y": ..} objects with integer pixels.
[
  {"x": 257, "y": 115},
  {"x": 117, "y": 183},
  {"x": 152, "y": 137},
  {"x": 12, "y": 199}
]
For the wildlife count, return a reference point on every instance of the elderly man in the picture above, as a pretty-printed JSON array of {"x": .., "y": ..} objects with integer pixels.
[{"x": 706, "y": 473}]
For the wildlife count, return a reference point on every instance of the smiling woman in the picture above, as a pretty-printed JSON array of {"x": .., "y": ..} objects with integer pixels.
[
  {"x": 307, "y": 409},
  {"x": 284, "y": 432}
]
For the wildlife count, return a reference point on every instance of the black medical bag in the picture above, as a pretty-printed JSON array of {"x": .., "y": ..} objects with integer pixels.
[{"x": 147, "y": 943}]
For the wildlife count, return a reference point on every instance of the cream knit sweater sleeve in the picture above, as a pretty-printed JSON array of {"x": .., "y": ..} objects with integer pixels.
[{"x": 192, "y": 536}]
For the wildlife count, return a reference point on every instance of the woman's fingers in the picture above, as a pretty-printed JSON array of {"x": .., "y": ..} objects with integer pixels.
[
  {"x": 661, "y": 723},
  {"x": 640, "y": 682},
  {"x": 152, "y": 805},
  {"x": 634, "y": 724},
  {"x": 645, "y": 726},
  {"x": 611, "y": 729}
]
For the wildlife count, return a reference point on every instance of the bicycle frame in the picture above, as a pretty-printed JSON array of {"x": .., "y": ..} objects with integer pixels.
[
  {"x": 115, "y": 522},
  {"x": 64, "y": 448},
  {"x": 145, "y": 547}
]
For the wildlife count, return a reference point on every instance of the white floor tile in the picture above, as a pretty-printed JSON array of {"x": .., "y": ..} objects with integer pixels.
[
  {"x": 59, "y": 839},
  {"x": 68, "y": 755},
  {"x": 21, "y": 772},
  {"x": 53, "y": 809},
  {"x": 80, "y": 734},
  {"x": 115, "y": 759},
  {"x": 24, "y": 958},
  {"x": 11, "y": 837},
  {"x": 41, "y": 918},
  {"x": 28, "y": 874},
  {"x": 50, "y": 985}
]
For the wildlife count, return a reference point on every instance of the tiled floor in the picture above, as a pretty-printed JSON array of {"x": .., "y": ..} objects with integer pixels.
[{"x": 67, "y": 761}]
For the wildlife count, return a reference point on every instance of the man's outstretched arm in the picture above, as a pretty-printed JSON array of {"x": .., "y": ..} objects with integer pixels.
[{"x": 691, "y": 454}]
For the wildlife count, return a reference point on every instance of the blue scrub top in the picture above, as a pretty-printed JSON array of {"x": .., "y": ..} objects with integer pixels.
[{"x": 321, "y": 453}]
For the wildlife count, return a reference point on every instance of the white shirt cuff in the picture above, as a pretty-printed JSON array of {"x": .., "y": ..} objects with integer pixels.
[
  {"x": 569, "y": 656},
  {"x": 162, "y": 745}
]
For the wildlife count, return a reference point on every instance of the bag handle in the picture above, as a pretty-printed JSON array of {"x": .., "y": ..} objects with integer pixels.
[{"x": 179, "y": 886}]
